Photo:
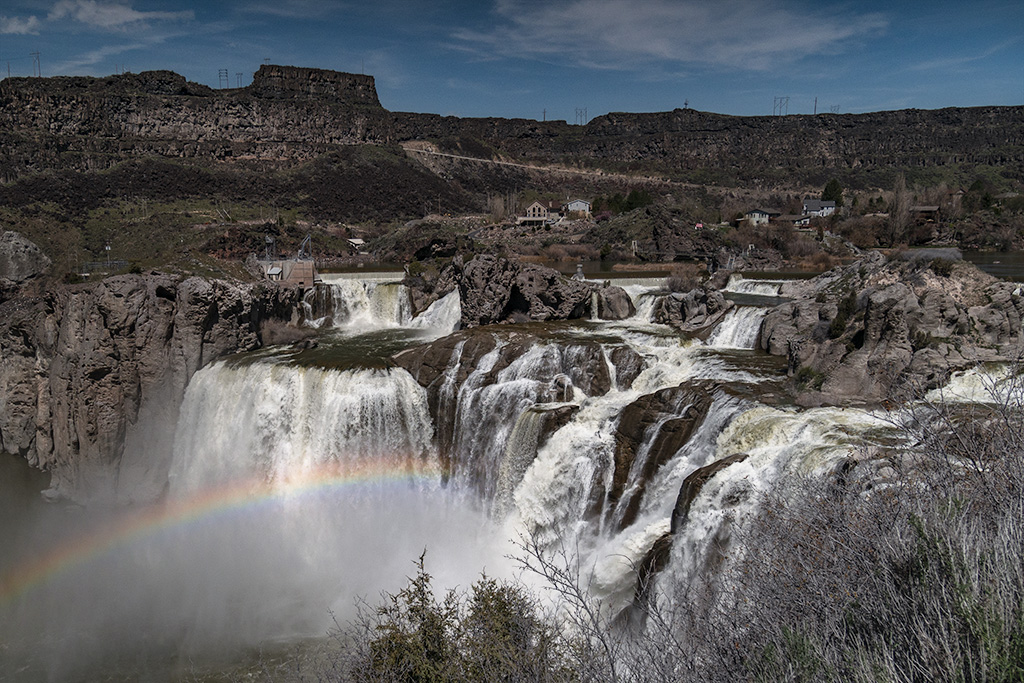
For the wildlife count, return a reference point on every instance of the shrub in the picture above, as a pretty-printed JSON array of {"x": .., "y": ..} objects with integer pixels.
[{"x": 685, "y": 277}]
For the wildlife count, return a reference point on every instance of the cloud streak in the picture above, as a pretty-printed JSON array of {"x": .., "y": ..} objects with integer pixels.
[
  {"x": 19, "y": 26},
  {"x": 111, "y": 15},
  {"x": 954, "y": 62},
  {"x": 621, "y": 34}
]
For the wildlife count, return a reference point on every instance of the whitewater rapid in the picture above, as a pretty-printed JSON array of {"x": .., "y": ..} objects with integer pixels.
[{"x": 304, "y": 480}]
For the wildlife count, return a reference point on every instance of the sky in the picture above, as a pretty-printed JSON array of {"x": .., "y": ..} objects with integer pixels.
[{"x": 555, "y": 59}]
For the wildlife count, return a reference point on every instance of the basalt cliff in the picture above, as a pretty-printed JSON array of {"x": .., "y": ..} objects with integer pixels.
[
  {"x": 290, "y": 114},
  {"x": 93, "y": 374}
]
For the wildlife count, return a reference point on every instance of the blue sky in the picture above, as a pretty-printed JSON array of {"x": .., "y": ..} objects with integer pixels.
[{"x": 549, "y": 58}]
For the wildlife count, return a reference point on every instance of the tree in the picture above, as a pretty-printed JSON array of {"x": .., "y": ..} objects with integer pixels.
[{"x": 833, "y": 192}]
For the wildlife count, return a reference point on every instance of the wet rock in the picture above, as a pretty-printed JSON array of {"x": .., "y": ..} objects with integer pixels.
[
  {"x": 695, "y": 311},
  {"x": 693, "y": 484},
  {"x": 613, "y": 303},
  {"x": 880, "y": 328},
  {"x": 655, "y": 426},
  {"x": 98, "y": 372}
]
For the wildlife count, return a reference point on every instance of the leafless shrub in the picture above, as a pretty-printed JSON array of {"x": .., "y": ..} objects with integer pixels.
[
  {"x": 685, "y": 277},
  {"x": 917, "y": 579}
]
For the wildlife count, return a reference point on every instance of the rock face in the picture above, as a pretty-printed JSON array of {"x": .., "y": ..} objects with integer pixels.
[
  {"x": 297, "y": 113},
  {"x": 20, "y": 261},
  {"x": 495, "y": 290},
  {"x": 878, "y": 328},
  {"x": 665, "y": 420},
  {"x": 695, "y": 311},
  {"x": 444, "y": 368},
  {"x": 94, "y": 374},
  {"x": 288, "y": 82}
]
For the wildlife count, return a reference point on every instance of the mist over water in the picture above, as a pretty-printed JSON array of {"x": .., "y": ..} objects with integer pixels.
[{"x": 302, "y": 482}]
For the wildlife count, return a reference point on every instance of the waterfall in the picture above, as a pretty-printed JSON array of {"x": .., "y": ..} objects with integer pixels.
[
  {"x": 644, "y": 298},
  {"x": 779, "y": 444},
  {"x": 272, "y": 421},
  {"x": 741, "y": 285},
  {"x": 739, "y": 328},
  {"x": 443, "y": 316},
  {"x": 358, "y": 304}
]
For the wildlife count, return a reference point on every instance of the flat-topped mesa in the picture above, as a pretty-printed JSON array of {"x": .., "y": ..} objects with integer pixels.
[{"x": 273, "y": 82}]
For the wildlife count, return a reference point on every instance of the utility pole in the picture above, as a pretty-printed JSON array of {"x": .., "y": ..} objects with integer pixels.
[
  {"x": 815, "y": 106},
  {"x": 544, "y": 119},
  {"x": 222, "y": 78},
  {"x": 781, "y": 106},
  {"x": 238, "y": 78}
]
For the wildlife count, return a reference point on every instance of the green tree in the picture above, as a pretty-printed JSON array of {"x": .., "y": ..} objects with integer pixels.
[{"x": 833, "y": 192}]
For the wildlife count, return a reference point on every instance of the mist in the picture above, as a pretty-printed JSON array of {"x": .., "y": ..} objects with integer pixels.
[{"x": 178, "y": 593}]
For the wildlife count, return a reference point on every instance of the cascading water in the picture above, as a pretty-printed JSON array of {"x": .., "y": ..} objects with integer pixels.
[
  {"x": 741, "y": 285},
  {"x": 302, "y": 481},
  {"x": 738, "y": 329},
  {"x": 358, "y": 305}
]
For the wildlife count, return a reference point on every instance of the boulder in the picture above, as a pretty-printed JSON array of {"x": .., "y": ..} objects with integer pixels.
[
  {"x": 497, "y": 290},
  {"x": 692, "y": 312}
]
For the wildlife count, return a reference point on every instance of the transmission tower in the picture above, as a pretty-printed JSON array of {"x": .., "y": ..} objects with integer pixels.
[
  {"x": 222, "y": 78},
  {"x": 37, "y": 69},
  {"x": 780, "y": 106},
  {"x": 238, "y": 78},
  {"x": 581, "y": 116}
]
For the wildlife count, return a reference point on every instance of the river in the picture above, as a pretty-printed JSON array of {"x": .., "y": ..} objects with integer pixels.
[{"x": 305, "y": 480}]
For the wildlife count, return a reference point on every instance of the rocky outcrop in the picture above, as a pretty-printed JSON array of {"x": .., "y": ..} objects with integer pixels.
[
  {"x": 274, "y": 82},
  {"x": 692, "y": 312},
  {"x": 497, "y": 290},
  {"x": 650, "y": 431},
  {"x": 881, "y": 327},
  {"x": 299, "y": 113},
  {"x": 444, "y": 366},
  {"x": 94, "y": 374},
  {"x": 20, "y": 261}
]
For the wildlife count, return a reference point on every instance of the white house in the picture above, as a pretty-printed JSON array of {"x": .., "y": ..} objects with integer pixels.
[
  {"x": 819, "y": 208},
  {"x": 761, "y": 216},
  {"x": 540, "y": 212},
  {"x": 576, "y": 206}
]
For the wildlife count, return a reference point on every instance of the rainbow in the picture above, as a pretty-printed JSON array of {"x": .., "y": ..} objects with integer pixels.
[{"x": 204, "y": 505}]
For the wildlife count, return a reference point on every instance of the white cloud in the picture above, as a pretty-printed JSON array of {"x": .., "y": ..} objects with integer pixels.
[
  {"x": 295, "y": 9},
  {"x": 111, "y": 15},
  {"x": 19, "y": 26},
  {"x": 747, "y": 34},
  {"x": 957, "y": 61}
]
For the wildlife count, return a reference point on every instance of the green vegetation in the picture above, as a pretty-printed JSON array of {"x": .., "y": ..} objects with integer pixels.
[
  {"x": 833, "y": 192},
  {"x": 495, "y": 633}
]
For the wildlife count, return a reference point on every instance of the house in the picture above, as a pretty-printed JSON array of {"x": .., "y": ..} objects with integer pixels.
[
  {"x": 761, "y": 216},
  {"x": 818, "y": 208},
  {"x": 581, "y": 206},
  {"x": 539, "y": 213}
]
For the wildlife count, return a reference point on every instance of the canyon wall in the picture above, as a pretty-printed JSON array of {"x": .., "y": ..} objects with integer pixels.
[
  {"x": 93, "y": 375},
  {"x": 291, "y": 113}
]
